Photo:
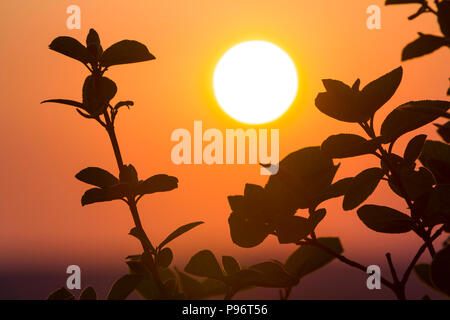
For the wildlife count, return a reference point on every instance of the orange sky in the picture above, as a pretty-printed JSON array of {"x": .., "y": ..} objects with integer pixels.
[{"x": 44, "y": 146}]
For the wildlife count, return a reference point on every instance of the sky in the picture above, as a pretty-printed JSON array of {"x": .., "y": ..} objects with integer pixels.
[{"x": 43, "y": 226}]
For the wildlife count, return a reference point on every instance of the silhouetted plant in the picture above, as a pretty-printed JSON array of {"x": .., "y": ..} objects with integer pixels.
[
  {"x": 305, "y": 180},
  {"x": 427, "y": 43},
  {"x": 150, "y": 272},
  {"x": 97, "y": 93}
]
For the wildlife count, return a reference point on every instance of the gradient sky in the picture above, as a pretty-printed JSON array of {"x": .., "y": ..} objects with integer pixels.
[{"x": 43, "y": 225}]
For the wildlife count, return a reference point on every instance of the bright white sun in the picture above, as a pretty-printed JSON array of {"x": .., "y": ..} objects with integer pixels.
[{"x": 255, "y": 82}]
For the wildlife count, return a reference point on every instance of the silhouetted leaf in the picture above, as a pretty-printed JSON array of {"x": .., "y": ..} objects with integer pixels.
[
  {"x": 411, "y": 116},
  {"x": 204, "y": 264},
  {"x": 380, "y": 91},
  {"x": 416, "y": 183},
  {"x": 384, "y": 219},
  {"x": 414, "y": 148},
  {"x": 438, "y": 206},
  {"x": 422, "y": 271},
  {"x": 351, "y": 105},
  {"x": 72, "y": 48},
  {"x": 94, "y": 195},
  {"x": 361, "y": 187},
  {"x": 61, "y": 294},
  {"x": 336, "y": 190},
  {"x": 121, "y": 104},
  {"x": 97, "y": 177},
  {"x": 125, "y": 51},
  {"x": 88, "y": 294},
  {"x": 97, "y": 93},
  {"x": 66, "y": 102},
  {"x": 423, "y": 45},
  {"x": 348, "y": 145},
  {"x": 213, "y": 287},
  {"x": 93, "y": 44},
  {"x": 439, "y": 270},
  {"x": 436, "y": 157},
  {"x": 444, "y": 131},
  {"x": 339, "y": 102},
  {"x": 247, "y": 232},
  {"x": 178, "y": 232},
  {"x": 128, "y": 174},
  {"x": 302, "y": 176},
  {"x": 308, "y": 258},
  {"x": 230, "y": 265},
  {"x": 291, "y": 229},
  {"x": 444, "y": 17},
  {"x": 147, "y": 288},
  {"x": 164, "y": 258},
  {"x": 192, "y": 288},
  {"x": 123, "y": 287},
  {"x": 271, "y": 274},
  {"x": 157, "y": 183},
  {"x": 140, "y": 235}
]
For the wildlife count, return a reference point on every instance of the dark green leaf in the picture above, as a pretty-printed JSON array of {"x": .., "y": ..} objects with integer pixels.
[
  {"x": 164, "y": 258},
  {"x": 361, "y": 187},
  {"x": 61, "y": 294},
  {"x": 97, "y": 177},
  {"x": 384, "y": 219},
  {"x": 414, "y": 148},
  {"x": 411, "y": 116},
  {"x": 88, "y": 294},
  {"x": 423, "y": 45},
  {"x": 125, "y": 51},
  {"x": 178, "y": 232},
  {"x": 440, "y": 268},
  {"x": 72, "y": 48},
  {"x": 157, "y": 183},
  {"x": 348, "y": 145},
  {"x": 230, "y": 265},
  {"x": 308, "y": 258},
  {"x": 204, "y": 264},
  {"x": 123, "y": 287},
  {"x": 379, "y": 91}
]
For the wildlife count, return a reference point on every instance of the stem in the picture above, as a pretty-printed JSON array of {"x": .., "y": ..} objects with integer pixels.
[
  {"x": 345, "y": 260},
  {"x": 114, "y": 142},
  {"x": 418, "y": 254},
  {"x": 392, "y": 268},
  {"x": 145, "y": 241}
]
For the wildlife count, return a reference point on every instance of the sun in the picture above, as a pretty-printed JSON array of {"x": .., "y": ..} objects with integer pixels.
[{"x": 255, "y": 82}]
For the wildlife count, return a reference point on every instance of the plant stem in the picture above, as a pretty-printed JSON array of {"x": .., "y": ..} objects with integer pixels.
[
  {"x": 345, "y": 260},
  {"x": 114, "y": 142},
  {"x": 145, "y": 241}
]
